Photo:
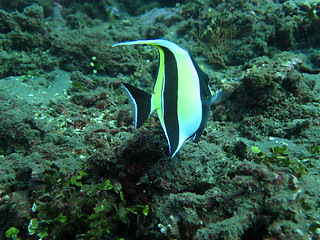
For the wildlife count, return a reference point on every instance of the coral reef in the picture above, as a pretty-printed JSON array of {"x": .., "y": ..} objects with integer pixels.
[{"x": 72, "y": 166}]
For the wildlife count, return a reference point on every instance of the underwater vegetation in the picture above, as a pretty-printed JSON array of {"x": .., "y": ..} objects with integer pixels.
[{"x": 70, "y": 206}]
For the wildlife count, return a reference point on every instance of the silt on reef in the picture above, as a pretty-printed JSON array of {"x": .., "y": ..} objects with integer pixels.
[{"x": 249, "y": 200}]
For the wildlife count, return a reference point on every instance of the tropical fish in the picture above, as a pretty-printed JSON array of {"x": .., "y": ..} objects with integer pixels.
[{"x": 181, "y": 95}]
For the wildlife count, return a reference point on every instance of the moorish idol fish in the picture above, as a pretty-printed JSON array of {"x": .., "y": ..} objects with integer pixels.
[{"x": 181, "y": 95}]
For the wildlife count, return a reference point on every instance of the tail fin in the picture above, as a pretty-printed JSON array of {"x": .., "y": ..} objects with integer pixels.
[{"x": 140, "y": 102}]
